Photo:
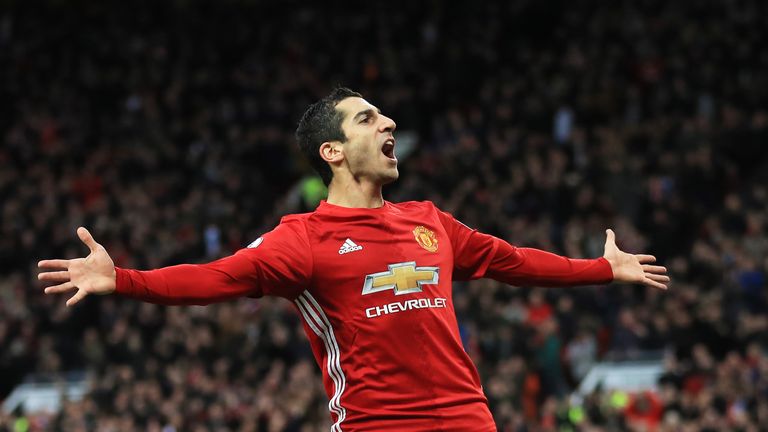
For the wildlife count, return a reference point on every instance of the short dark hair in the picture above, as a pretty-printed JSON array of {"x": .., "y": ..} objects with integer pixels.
[{"x": 321, "y": 122}]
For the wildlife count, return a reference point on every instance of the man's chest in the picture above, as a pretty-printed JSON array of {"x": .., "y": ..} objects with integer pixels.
[{"x": 371, "y": 268}]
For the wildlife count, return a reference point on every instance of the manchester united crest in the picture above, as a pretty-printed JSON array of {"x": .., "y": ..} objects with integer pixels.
[{"x": 425, "y": 238}]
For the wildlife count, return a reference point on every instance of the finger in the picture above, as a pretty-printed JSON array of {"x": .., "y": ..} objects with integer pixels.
[
  {"x": 654, "y": 269},
  {"x": 87, "y": 238},
  {"x": 54, "y": 276},
  {"x": 610, "y": 236},
  {"x": 54, "y": 264},
  {"x": 654, "y": 284},
  {"x": 645, "y": 259},
  {"x": 657, "y": 277},
  {"x": 77, "y": 297},
  {"x": 61, "y": 288}
]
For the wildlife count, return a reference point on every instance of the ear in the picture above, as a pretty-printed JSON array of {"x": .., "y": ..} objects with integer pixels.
[{"x": 331, "y": 151}]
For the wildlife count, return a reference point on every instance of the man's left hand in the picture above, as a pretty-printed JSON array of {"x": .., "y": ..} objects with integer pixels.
[{"x": 631, "y": 268}]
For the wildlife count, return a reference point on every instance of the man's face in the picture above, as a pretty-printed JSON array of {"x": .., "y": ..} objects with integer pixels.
[{"x": 369, "y": 151}]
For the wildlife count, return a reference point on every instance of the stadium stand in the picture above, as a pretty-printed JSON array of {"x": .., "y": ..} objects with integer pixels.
[{"x": 166, "y": 128}]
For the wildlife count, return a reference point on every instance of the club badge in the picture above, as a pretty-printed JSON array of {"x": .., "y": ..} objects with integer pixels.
[{"x": 425, "y": 238}]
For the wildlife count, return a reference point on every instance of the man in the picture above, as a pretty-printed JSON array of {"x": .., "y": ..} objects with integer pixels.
[{"x": 371, "y": 280}]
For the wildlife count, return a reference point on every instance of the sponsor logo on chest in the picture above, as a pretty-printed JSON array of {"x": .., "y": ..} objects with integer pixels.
[{"x": 402, "y": 278}]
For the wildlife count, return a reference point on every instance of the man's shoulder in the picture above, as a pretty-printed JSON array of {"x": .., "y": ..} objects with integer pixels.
[
  {"x": 295, "y": 220},
  {"x": 295, "y": 217},
  {"x": 415, "y": 205},
  {"x": 316, "y": 216}
]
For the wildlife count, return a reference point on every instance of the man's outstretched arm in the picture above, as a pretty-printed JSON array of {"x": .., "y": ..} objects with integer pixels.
[
  {"x": 176, "y": 285},
  {"x": 273, "y": 268},
  {"x": 479, "y": 255},
  {"x": 527, "y": 266}
]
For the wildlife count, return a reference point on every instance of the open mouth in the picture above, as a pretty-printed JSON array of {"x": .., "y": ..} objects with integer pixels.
[{"x": 389, "y": 148}]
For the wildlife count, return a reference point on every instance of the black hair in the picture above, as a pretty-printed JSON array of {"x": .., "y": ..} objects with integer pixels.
[{"x": 320, "y": 123}]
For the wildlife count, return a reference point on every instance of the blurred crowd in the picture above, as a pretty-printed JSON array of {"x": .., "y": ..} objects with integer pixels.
[{"x": 167, "y": 129}]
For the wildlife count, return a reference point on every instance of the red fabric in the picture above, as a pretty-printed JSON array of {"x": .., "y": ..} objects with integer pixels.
[
  {"x": 391, "y": 356},
  {"x": 280, "y": 265},
  {"x": 531, "y": 390},
  {"x": 538, "y": 314},
  {"x": 694, "y": 383},
  {"x": 649, "y": 415},
  {"x": 89, "y": 188}
]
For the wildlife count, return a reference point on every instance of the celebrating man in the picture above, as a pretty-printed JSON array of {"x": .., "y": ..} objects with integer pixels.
[{"x": 371, "y": 280}]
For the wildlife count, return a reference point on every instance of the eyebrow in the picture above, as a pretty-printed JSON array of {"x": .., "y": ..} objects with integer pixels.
[{"x": 369, "y": 111}]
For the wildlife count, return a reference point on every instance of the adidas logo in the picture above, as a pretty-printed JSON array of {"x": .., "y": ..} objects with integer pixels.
[{"x": 349, "y": 246}]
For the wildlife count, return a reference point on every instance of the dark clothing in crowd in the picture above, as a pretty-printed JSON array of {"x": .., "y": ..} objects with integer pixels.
[{"x": 167, "y": 129}]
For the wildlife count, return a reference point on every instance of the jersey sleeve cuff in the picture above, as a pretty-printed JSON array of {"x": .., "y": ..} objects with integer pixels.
[
  {"x": 123, "y": 283},
  {"x": 606, "y": 271}
]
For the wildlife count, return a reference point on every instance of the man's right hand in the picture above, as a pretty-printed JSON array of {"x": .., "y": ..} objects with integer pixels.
[{"x": 94, "y": 274}]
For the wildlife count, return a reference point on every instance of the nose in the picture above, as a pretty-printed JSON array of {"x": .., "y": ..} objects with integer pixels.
[{"x": 387, "y": 124}]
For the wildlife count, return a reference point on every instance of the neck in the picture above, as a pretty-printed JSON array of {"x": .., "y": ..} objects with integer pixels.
[{"x": 355, "y": 194}]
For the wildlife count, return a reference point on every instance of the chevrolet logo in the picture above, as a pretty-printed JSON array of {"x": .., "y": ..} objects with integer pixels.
[{"x": 404, "y": 278}]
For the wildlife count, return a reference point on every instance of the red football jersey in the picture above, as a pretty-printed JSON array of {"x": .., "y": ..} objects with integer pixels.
[{"x": 373, "y": 288}]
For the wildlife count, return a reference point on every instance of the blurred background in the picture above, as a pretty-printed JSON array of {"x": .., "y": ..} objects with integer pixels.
[{"x": 167, "y": 129}]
